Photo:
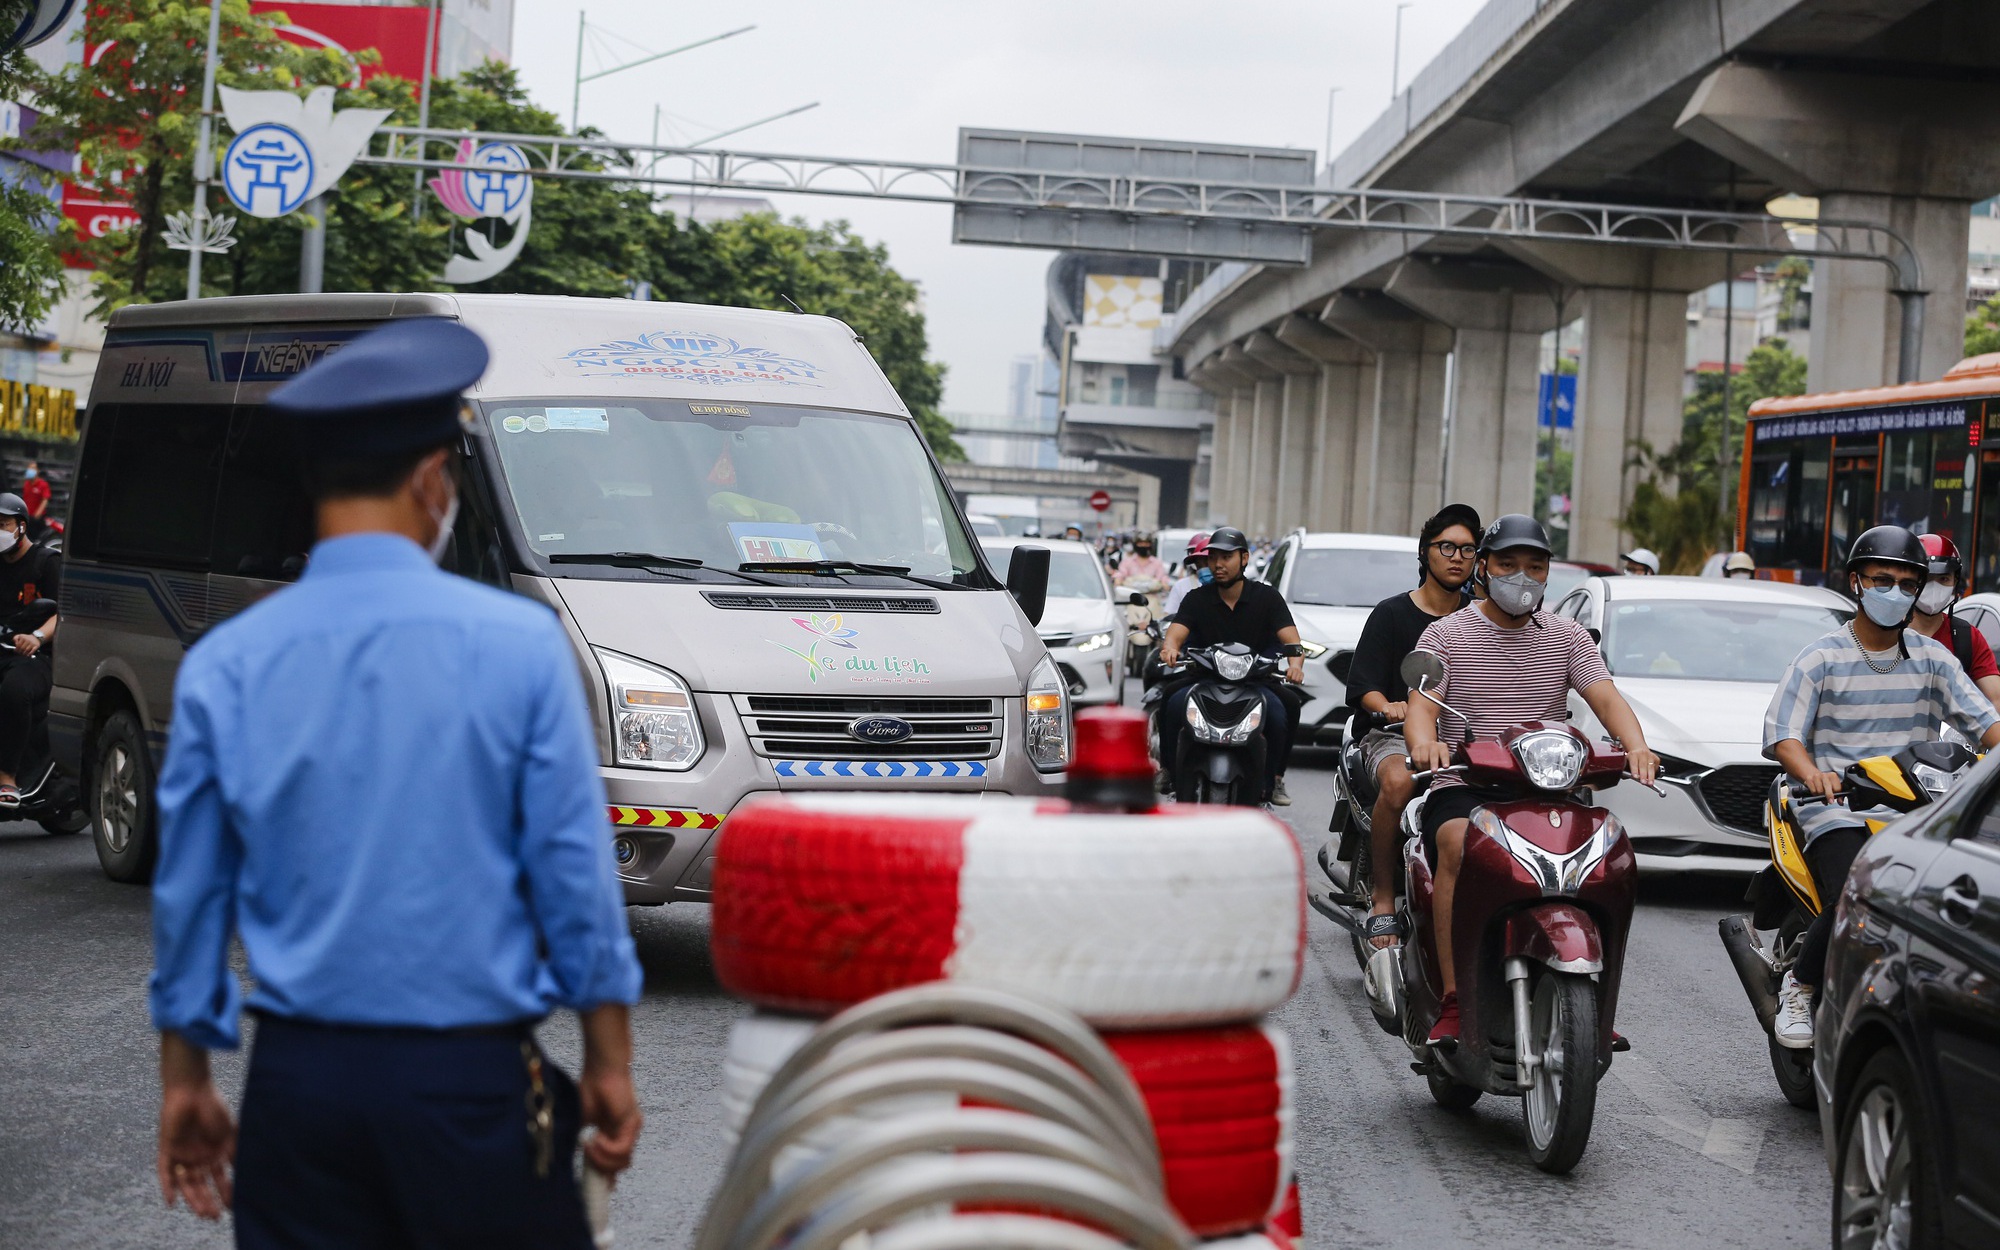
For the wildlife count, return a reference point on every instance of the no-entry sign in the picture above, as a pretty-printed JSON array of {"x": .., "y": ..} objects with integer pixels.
[{"x": 1100, "y": 500}]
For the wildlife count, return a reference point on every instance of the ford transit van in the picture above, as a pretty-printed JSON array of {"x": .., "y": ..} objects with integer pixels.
[{"x": 767, "y": 581}]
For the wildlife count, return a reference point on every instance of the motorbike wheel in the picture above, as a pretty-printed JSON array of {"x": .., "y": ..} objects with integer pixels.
[
  {"x": 1560, "y": 1104},
  {"x": 1361, "y": 884},
  {"x": 123, "y": 823},
  {"x": 71, "y": 820},
  {"x": 1449, "y": 1094},
  {"x": 1793, "y": 1068}
]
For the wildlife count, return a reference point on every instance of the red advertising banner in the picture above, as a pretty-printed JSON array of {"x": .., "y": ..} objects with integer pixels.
[{"x": 396, "y": 32}]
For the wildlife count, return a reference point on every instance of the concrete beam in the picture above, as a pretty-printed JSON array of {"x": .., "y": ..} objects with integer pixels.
[
  {"x": 1630, "y": 388},
  {"x": 1314, "y": 338},
  {"x": 1274, "y": 352},
  {"x": 1240, "y": 362},
  {"x": 1815, "y": 131},
  {"x": 1477, "y": 296},
  {"x": 1208, "y": 378},
  {"x": 1573, "y": 265}
]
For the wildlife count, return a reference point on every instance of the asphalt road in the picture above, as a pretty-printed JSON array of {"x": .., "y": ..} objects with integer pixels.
[{"x": 1693, "y": 1145}]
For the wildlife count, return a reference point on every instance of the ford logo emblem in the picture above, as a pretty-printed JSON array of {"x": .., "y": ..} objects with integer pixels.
[{"x": 880, "y": 729}]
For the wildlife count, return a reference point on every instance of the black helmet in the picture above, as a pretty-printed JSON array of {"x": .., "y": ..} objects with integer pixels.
[
  {"x": 1890, "y": 544},
  {"x": 1514, "y": 530},
  {"x": 1228, "y": 538},
  {"x": 11, "y": 505}
]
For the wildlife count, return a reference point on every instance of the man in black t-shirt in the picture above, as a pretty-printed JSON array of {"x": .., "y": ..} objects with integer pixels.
[
  {"x": 1232, "y": 608},
  {"x": 27, "y": 573},
  {"x": 1447, "y": 548}
]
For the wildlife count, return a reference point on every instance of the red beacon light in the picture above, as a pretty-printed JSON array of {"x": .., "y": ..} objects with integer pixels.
[{"x": 1112, "y": 767}]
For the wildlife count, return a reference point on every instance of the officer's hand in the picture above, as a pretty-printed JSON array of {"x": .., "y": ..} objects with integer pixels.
[
  {"x": 1825, "y": 785},
  {"x": 1396, "y": 713},
  {"x": 197, "y": 1135},
  {"x": 26, "y": 644},
  {"x": 610, "y": 1106}
]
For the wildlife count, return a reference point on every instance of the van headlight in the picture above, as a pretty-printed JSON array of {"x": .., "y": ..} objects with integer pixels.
[
  {"x": 1047, "y": 717},
  {"x": 1095, "y": 642},
  {"x": 653, "y": 721}
]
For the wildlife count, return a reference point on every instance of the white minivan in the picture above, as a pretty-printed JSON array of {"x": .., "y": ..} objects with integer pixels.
[{"x": 764, "y": 574}]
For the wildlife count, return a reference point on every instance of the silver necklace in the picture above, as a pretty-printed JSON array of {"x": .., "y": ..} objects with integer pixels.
[{"x": 1868, "y": 659}]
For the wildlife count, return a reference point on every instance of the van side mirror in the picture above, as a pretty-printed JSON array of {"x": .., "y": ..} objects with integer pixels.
[{"x": 1028, "y": 581}]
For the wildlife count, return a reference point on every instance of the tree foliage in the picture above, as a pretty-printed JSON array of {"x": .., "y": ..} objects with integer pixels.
[
  {"x": 1982, "y": 329},
  {"x": 1675, "y": 508},
  {"x": 590, "y": 238},
  {"x": 31, "y": 268}
]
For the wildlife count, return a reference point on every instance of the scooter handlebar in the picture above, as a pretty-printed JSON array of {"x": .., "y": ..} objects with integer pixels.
[{"x": 1654, "y": 786}]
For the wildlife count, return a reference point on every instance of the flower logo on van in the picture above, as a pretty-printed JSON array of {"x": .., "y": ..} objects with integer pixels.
[
  {"x": 830, "y": 629},
  {"x": 690, "y": 356}
]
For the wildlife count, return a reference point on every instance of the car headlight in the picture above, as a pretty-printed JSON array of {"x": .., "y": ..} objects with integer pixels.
[
  {"x": 1233, "y": 667},
  {"x": 1552, "y": 759},
  {"x": 1556, "y": 874},
  {"x": 1226, "y": 735},
  {"x": 653, "y": 721},
  {"x": 1047, "y": 717},
  {"x": 1312, "y": 650},
  {"x": 1095, "y": 642}
]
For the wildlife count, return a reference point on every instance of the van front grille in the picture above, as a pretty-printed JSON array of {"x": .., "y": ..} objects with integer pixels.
[{"x": 814, "y": 727}]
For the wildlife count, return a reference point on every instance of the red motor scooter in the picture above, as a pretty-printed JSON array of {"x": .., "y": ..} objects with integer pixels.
[{"x": 1539, "y": 921}]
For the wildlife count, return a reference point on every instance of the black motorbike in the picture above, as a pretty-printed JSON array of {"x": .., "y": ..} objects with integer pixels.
[
  {"x": 1347, "y": 857},
  {"x": 49, "y": 796},
  {"x": 1220, "y": 757}
]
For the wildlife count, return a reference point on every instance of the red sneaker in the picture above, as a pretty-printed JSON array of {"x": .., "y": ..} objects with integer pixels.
[{"x": 1445, "y": 1031}]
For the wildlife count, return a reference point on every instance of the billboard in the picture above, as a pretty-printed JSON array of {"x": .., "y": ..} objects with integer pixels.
[
  {"x": 1117, "y": 302},
  {"x": 470, "y": 31}
]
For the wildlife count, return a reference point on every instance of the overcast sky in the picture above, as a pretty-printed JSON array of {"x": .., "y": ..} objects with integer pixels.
[{"x": 896, "y": 78}]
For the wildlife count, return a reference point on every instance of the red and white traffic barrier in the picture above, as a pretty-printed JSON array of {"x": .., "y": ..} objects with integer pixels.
[
  {"x": 1220, "y": 1101},
  {"x": 1184, "y": 917}
]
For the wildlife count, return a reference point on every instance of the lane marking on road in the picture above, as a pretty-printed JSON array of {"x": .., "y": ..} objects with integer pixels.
[{"x": 1675, "y": 1118}]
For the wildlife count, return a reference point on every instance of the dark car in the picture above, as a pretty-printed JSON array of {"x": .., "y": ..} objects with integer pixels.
[{"x": 1908, "y": 1061}]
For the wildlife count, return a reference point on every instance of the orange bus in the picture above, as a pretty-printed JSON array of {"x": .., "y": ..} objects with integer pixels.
[{"x": 1819, "y": 469}]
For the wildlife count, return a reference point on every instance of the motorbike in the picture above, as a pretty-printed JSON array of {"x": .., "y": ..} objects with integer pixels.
[
  {"x": 1221, "y": 752},
  {"x": 1540, "y": 919},
  {"x": 1348, "y": 858},
  {"x": 49, "y": 797},
  {"x": 1143, "y": 598},
  {"x": 1784, "y": 901}
]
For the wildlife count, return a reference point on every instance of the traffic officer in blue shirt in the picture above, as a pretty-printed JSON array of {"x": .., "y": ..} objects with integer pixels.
[{"x": 384, "y": 782}]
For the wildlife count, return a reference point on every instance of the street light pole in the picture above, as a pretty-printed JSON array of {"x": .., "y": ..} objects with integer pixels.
[
  {"x": 1331, "y": 92},
  {"x": 424, "y": 103},
  {"x": 204, "y": 151},
  {"x": 1396, "y": 59}
]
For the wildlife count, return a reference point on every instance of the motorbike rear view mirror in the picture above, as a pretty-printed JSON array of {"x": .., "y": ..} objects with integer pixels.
[
  {"x": 1136, "y": 599},
  {"x": 1028, "y": 581},
  {"x": 1596, "y": 636},
  {"x": 1422, "y": 670}
]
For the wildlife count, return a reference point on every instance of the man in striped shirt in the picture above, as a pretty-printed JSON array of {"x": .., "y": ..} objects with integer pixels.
[
  {"x": 1506, "y": 662},
  {"x": 1871, "y": 687}
]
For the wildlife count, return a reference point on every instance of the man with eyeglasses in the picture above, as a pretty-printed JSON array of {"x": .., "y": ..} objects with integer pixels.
[
  {"x": 1446, "y": 547},
  {"x": 1872, "y": 686}
]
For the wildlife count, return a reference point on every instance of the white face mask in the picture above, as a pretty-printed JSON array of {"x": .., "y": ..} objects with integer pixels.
[
  {"x": 1936, "y": 597},
  {"x": 442, "y": 540}
]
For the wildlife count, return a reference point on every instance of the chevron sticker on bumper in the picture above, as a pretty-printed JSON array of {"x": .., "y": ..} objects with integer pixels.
[
  {"x": 663, "y": 818},
  {"x": 880, "y": 769}
]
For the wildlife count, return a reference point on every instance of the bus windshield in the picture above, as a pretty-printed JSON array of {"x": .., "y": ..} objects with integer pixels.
[{"x": 727, "y": 484}]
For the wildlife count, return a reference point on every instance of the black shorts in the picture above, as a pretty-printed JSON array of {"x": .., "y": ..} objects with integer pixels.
[{"x": 1454, "y": 803}]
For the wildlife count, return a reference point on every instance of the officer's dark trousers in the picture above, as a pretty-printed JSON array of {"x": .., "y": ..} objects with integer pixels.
[
  {"x": 24, "y": 703},
  {"x": 1828, "y": 857},
  {"x": 399, "y": 1138}
]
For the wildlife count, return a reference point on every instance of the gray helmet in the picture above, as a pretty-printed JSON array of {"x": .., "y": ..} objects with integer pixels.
[
  {"x": 1228, "y": 538},
  {"x": 1514, "y": 530},
  {"x": 12, "y": 505}
]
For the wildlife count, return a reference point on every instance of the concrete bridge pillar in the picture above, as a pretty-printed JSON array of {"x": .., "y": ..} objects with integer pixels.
[
  {"x": 1346, "y": 390},
  {"x": 1297, "y": 401},
  {"x": 1401, "y": 479},
  {"x": 1629, "y": 389},
  {"x": 1211, "y": 377},
  {"x": 1259, "y": 442},
  {"x": 1498, "y": 314},
  {"x": 1911, "y": 154}
]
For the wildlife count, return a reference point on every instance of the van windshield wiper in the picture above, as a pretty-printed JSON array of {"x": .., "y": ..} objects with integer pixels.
[{"x": 652, "y": 563}]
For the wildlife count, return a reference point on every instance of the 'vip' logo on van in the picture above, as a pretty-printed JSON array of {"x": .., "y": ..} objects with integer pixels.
[
  {"x": 684, "y": 355},
  {"x": 155, "y": 374}
]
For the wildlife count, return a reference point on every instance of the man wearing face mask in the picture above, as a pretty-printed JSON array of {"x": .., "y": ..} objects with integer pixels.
[
  {"x": 1934, "y": 620},
  {"x": 383, "y": 780},
  {"x": 1506, "y": 661},
  {"x": 1198, "y": 574},
  {"x": 28, "y": 573},
  {"x": 1871, "y": 687}
]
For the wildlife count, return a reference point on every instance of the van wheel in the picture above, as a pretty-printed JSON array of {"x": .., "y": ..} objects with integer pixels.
[{"x": 124, "y": 825}]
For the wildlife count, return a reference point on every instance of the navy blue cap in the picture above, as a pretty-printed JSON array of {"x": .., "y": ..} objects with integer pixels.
[{"x": 395, "y": 389}]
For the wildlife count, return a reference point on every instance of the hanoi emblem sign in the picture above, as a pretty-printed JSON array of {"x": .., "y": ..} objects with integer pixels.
[
  {"x": 880, "y": 729},
  {"x": 268, "y": 171}
]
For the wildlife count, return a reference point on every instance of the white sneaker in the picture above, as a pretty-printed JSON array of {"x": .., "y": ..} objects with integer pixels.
[
  {"x": 1278, "y": 796},
  {"x": 1794, "y": 1026}
]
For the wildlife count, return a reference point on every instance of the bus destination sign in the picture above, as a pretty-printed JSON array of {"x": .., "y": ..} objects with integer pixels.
[{"x": 1898, "y": 420}]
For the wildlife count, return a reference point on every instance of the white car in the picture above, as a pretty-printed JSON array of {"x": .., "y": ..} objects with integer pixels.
[
  {"x": 1332, "y": 582},
  {"x": 1983, "y": 611},
  {"x": 1699, "y": 659},
  {"x": 984, "y": 526},
  {"x": 1083, "y": 626}
]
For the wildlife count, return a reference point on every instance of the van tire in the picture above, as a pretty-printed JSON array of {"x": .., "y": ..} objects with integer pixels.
[
  {"x": 124, "y": 818},
  {"x": 1220, "y": 1101}
]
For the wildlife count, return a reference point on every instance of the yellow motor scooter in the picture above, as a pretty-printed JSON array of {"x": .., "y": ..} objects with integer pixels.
[{"x": 1784, "y": 900}]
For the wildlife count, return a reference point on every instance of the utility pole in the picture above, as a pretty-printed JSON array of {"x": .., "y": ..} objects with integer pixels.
[
  {"x": 424, "y": 103},
  {"x": 1722, "y": 492},
  {"x": 1331, "y": 92},
  {"x": 1396, "y": 59},
  {"x": 204, "y": 152},
  {"x": 576, "y": 94}
]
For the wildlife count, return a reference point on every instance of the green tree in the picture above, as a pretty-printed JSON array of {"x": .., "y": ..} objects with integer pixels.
[
  {"x": 1982, "y": 329},
  {"x": 1674, "y": 507},
  {"x": 30, "y": 262}
]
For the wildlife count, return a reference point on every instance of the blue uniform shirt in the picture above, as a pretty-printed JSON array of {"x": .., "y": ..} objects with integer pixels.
[{"x": 384, "y": 780}]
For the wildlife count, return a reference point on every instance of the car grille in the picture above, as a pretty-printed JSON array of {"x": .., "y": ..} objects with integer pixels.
[
  {"x": 746, "y": 602},
  {"x": 1338, "y": 663},
  {"x": 1052, "y": 641},
  {"x": 1735, "y": 795},
  {"x": 814, "y": 727}
]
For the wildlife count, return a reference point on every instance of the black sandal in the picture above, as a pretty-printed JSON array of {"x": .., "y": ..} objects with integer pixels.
[{"x": 1383, "y": 924}]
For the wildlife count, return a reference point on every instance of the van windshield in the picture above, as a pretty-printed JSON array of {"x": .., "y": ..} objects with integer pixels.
[{"x": 725, "y": 483}]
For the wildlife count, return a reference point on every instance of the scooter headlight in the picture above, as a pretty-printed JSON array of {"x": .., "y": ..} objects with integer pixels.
[
  {"x": 653, "y": 721},
  {"x": 1225, "y": 735},
  {"x": 1935, "y": 781},
  {"x": 1556, "y": 874},
  {"x": 1233, "y": 667},
  {"x": 1552, "y": 759},
  {"x": 1047, "y": 717}
]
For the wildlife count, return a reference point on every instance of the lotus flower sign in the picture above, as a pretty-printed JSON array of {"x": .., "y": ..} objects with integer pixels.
[{"x": 490, "y": 180}]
